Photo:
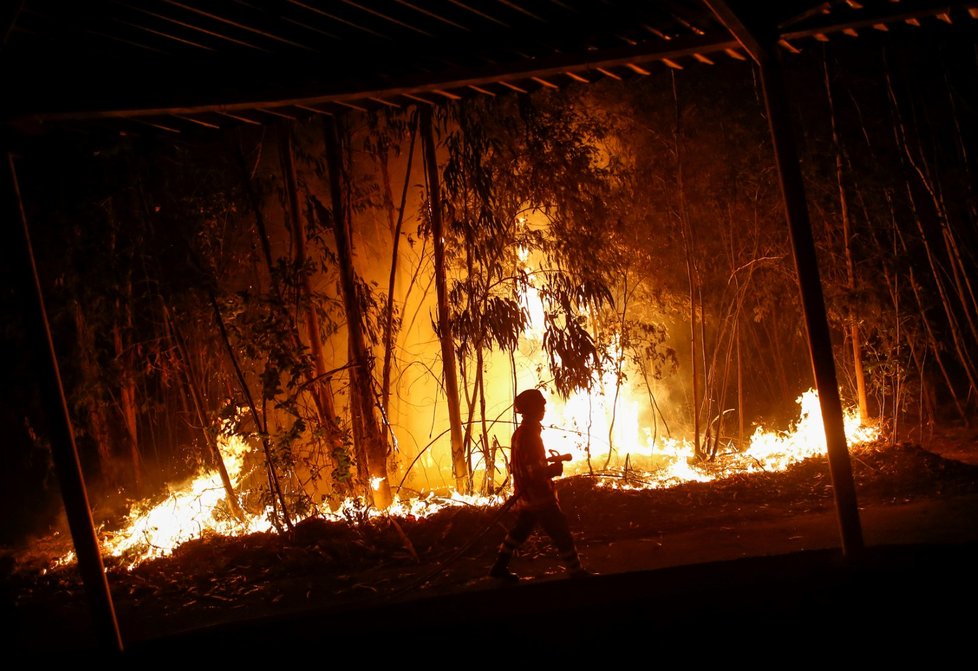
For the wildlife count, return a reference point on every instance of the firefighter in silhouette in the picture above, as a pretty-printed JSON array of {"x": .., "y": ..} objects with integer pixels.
[{"x": 534, "y": 491}]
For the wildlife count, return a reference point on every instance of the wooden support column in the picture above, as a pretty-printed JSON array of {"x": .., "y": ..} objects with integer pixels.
[
  {"x": 63, "y": 448},
  {"x": 762, "y": 46}
]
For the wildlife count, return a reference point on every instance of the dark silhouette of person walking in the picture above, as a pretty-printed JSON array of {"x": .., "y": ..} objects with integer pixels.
[{"x": 535, "y": 495}]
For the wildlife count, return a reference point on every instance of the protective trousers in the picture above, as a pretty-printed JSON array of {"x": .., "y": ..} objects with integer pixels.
[{"x": 548, "y": 517}]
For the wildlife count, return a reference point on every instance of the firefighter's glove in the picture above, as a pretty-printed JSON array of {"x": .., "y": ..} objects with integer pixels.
[{"x": 555, "y": 469}]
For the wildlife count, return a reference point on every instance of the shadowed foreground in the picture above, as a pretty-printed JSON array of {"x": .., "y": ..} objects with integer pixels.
[
  {"x": 745, "y": 568},
  {"x": 894, "y": 600}
]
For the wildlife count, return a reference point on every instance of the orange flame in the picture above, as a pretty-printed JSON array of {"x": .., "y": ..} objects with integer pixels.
[{"x": 198, "y": 507}]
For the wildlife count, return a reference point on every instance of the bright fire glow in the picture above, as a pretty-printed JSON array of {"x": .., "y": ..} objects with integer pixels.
[
  {"x": 666, "y": 462},
  {"x": 190, "y": 510},
  {"x": 198, "y": 506},
  {"x": 603, "y": 431}
]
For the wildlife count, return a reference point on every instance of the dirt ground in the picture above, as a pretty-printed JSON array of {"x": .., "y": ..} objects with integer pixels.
[{"x": 701, "y": 548}]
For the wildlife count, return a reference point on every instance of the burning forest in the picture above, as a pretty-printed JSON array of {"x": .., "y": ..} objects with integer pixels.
[{"x": 305, "y": 337}]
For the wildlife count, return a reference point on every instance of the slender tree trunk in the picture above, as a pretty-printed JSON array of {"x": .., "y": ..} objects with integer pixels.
[
  {"x": 197, "y": 397},
  {"x": 853, "y": 322},
  {"x": 274, "y": 485},
  {"x": 740, "y": 389},
  {"x": 619, "y": 360},
  {"x": 445, "y": 335},
  {"x": 385, "y": 379},
  {"x": 127, "y": 391},
  {"x": 952, "y": 321},
  {"x": 487, "y": 451},
  {"x": 955, "y": 261},
  {"x": 98, "y": 424},
  {"x": 360, "y": 373},
  {"x": 313, "y": 329},
  {"x": 924, "y": 320},
  {"x": 320, "y": 389},
  {"x": 691, "y": 273},
  {"x": 950, "y": 311}
]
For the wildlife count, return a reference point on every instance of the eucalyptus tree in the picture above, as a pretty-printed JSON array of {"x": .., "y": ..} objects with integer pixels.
[{"x": 525, "y": 179}]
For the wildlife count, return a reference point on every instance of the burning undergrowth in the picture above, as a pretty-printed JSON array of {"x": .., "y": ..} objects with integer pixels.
[
  {"x": 198, "y": 507},
  {"x": 339, "y": 562}
]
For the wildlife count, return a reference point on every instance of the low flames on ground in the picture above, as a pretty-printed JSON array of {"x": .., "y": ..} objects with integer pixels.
[
  {"x": 914, "y": 491},
  {"x": 197, "y": 507}
]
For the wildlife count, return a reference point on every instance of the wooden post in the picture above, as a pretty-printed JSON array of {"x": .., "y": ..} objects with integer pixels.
[
  {"x": 762, "y": 49},
  {"x": 64, "y": 451},
  {"x": 813, "y": 302},
  {"x": 460, "y": 467}
]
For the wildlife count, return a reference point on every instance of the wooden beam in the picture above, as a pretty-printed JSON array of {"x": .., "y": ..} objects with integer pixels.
[
  {"x": 789, "y": 46},
  {"x": 10, "y": 19},
  {"x": 763, "y": 50},
  {"x": 513, "y": 87},
  {"x": 543, "y": 82},
  {"x": 557, "y": 65},
  {"x": 385, "y": 17},
  {"x": 385, "y": 102},
  {"x": 166, "y": 36},
  {"x": 64, "y": 450},
  {"x": 237, "y": 24},
  {"x": 196, "y": 28},
  {"x": 433, "y": 15},
  {"x": 868, "y": 17},
  {"x": 199, "y": 122},
  {"x": 736, "y": 55},
  {"x": 483, "y": 91},
  {"x": 238, "y": 117},
  {"x": 312, "y": 91},
  {"x": 338, "y": 19},
  {"x": 314, "y": 110},
  {"x": 447, "y": 94},
  {"x": 744, "y": 35},
  {"x": 275, "y": 112}
]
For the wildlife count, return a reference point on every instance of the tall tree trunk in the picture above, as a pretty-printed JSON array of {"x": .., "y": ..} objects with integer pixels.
[
  {"x": 385, "y": 378},
  {"x": 853, "y": 322},
  {"x": 951, "y": 311},
  {"x": 740, "y": 387},
  {"x": 691, "y": 273},
  {"x": 95, "y": 419},
  {"x": 313, "y": 330},
  {"x": 924, "y": 320},
  {"x": 960, "y": 349},
  {"x": 193, "y": 386},
  {"x": 127, "y": 389},
  {"x": 445, "y": 335},
  {"x": 320, "y": 389},
  {"x": 275, "y": 487},
  {"x": 488, "y": 452},
  {"x": 360, "y": 373},
  {"x": 619, "y": 361}
]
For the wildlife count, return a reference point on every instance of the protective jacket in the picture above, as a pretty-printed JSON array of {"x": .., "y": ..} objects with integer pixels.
[{"x": 532, "y": 473}]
